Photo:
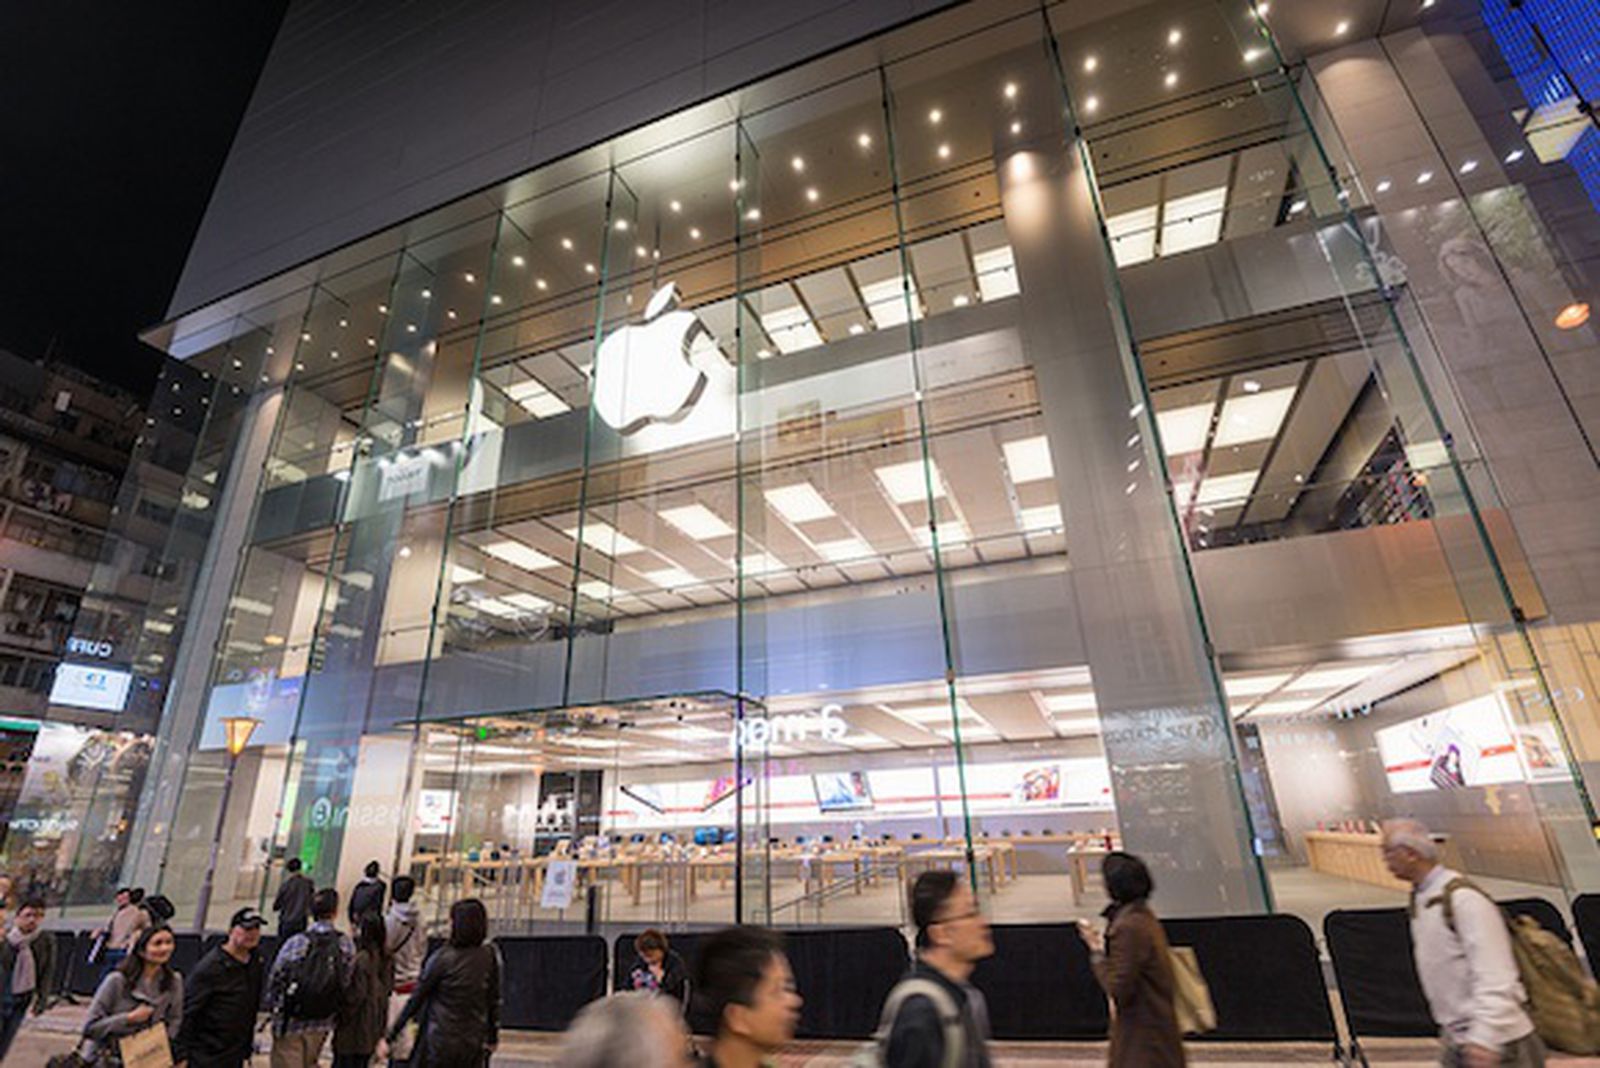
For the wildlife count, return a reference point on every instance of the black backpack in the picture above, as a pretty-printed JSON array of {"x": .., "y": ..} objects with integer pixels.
[{"x": 315, "y": 981}]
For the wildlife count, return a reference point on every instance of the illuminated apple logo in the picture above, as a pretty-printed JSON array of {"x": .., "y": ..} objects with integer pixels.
[{"x": 643, "y": 373}]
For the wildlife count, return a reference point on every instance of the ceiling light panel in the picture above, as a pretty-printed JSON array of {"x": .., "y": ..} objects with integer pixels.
[
  {"x": 526, "y": 601},
  {"x": 1070, "y": 702},
  {"x": 698, "y": 522},
  {"x": 519, "y": 555},
  {"x": 907, "y": 483},
  {"x": 844, "y": 550},
  {"x": 1044, "y": 517},
  {"x": 537, "y": 399},
  {"x": 996, "y": 271},
  {"x": 952, "y": 532},
  {"x": 670, "y": 578},
  {"x": 1133, "y": 236},
  {"x": 1254, "y": 685},
  {"x": 1253, "y": 416},
  {"x": 1193, "y": 221},
  {"x": 1335, "y": 678},
  {"x": 460, "y": 576},
  {"x": 799, "y": 503},
  {"x": 786, "y": 320},
  {"x": 1028, "y": 459},
  {"x": 1183, "y": 430},
  {"x": 1230, "y": 488},
  {"x": 604, "y": 538}
]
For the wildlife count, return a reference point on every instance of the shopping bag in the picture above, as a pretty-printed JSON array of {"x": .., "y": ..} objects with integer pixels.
[
  {"x": 1191, "y": 996},
  {"x": 147, "y": 1048}
]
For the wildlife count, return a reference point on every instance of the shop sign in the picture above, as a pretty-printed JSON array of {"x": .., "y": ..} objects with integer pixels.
[
  {"x": 91, "y": 647},
  {"x": 824, "y": 725}
]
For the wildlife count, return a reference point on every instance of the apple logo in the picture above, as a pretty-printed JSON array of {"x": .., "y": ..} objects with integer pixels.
[{"x": 643, "y": 373}]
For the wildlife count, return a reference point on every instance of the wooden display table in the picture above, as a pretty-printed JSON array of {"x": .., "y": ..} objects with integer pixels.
[{"x": 1359, "y": 856}]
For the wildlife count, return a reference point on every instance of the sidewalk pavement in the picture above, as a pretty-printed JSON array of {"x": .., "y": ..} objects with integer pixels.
[{"x": 56, "y": 1032}]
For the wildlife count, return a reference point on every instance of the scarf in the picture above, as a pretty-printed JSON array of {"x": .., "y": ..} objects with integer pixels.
[{"x": 24, "y": 976}]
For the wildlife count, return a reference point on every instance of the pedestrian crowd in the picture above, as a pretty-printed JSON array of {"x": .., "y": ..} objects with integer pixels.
[{"x": 375, "y": 995}]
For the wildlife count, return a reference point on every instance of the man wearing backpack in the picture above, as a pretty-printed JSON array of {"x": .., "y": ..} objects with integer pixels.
[
  {"x": 307, "y": 985},
  {"x": 1464, "y": 958},
  {"x": 934, "y": 1018}
]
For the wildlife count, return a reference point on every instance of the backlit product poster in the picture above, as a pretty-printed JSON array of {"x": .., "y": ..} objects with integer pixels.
[
  {"x": 1541, "y": 752},
  {"x": 1465, "y": 745},
  {"x": 435, "y": 809},
  {"x": 842, "y": 791},
  {"x": 1078, "y": 782}
]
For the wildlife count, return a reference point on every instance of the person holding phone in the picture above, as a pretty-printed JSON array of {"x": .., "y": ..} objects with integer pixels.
[{"x": 143, "y": 991}]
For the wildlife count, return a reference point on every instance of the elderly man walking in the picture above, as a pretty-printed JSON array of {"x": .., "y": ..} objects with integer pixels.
[{"x": 1464, "y": 958}]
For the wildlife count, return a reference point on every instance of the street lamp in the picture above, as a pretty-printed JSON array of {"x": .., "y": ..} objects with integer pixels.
[{"x": 236, "y": 732}]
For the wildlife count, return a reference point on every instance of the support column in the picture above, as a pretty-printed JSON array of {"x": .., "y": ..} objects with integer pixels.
[{"x": 1167, "y": 737}]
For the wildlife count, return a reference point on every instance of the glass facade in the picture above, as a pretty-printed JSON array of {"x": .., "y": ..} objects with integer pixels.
[{"x": 1004, "y": 443}]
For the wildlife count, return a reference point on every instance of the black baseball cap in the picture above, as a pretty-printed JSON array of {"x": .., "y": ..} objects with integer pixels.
[{"x": 246, "y": 918}]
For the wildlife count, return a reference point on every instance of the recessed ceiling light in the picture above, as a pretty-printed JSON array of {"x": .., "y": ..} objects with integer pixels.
[
  {"x": 1343, "y": 28},
  {"x": 961, "y": 301},
  {"x": 372, "y": 342},
  {"x": 1089, "y": 64},
  {"x": 1253, "y": 54},
  {"x": 566, "y": 243},
  {"x": 588, "y": 268},
  {"x": 1514, "y": 155},
  {"x": 1426, "y": 4},
  {"x": 1252, "y": 386},
  {"x": 812, "y": 194},
  {"x": 864, "y": 140},
  {"x": 694, "y": 232},
  {"x": 908, "y": 482},
  {"x": 1011, "y": 90},
  {"x": 427, "y": 294},
  {"x": 1385, "y": 185},
  {"x": 1469, "y": 166},
  {"x": 799, "y": 502},
  {"x": 1016, "y": 127},
  {"x": 622, "y": 224},
  {"x": 496, "y": 299},
  {"x": 1573, "y": 316},
  {"x": 675, "y": 206},
  {"x": 944, "y": 151},
  {"x": 798, "y": 164},
  {"x": 605, "y": 538},
  {"x": 935, "y": 116},
  {"x": 405, "y": 552},
  {"x": 1297, "y": 207},
  {"x": 1174, "y": 36},
  {"x": 753, "y": 214},
  {"x": 541, "y": 283},
  {"x": 843, "y": 550},
  {"x": 698, "y": 522},
  {"x": 469, "y": 277},
  {"x": 1091, "y": 105},
  {"x": 518, "y": 261},
  {"x": 305, "y": 337},
  {"x": 857, "y": 328},
  {"x": 1028, "y": 459},
  {"x": 1425, "y": 177},
  {"x": 1171, "y": 79},
  {"x": 640, "y": 251},
  {"x": 411, "y": 328},
  {"x": 735, "y": 184},
  {"x": 1263, "y": 8}
]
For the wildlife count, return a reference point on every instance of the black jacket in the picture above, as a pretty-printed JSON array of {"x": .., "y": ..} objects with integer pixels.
[
  {"x": 917, "y": 1038},
  {"x": 221, "y": 997},
  {"x": 44, "y": 968},
  {"x": 293, "y": 903},
  {"x": 457, "y": 1004},
  {"x": 674, "y": 977},
  {"x": 366, "y": 897}
]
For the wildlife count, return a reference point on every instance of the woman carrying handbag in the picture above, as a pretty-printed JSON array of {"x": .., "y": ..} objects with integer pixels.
[{"x": 137, "y": 1008}]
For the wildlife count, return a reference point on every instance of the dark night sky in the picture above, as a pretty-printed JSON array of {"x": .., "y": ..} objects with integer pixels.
[{"x": 117, "y": 117}]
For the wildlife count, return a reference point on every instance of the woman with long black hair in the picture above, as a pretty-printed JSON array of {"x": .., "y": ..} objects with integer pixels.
[{"x": 144, "y": 990}]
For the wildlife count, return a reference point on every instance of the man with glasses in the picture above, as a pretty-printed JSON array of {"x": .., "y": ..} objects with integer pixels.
[{"x": 934, "y": 1017}]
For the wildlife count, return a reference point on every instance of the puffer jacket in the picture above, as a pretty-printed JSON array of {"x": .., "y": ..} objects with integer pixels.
[{"x": 457, "y": 1007}]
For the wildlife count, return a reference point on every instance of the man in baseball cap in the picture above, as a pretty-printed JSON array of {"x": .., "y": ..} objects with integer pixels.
[{"x": 221, "y": 997}]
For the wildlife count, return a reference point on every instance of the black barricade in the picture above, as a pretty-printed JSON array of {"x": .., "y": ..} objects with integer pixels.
[
  {"x": 845, "y": 975},
  {"x": 1378, "y": 985},
  {"x": 546, "y": 981},
  {"x": 61, "y": 970},
  {"x": 186, "y": 951},
  {"x": 1586, "y": 913},
  {"x": 82, "y": 976},
  {"x": 1265, "y": 976},
  {"x": 1039, "y": 985},
  {"x": 686, "y": 945}
]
